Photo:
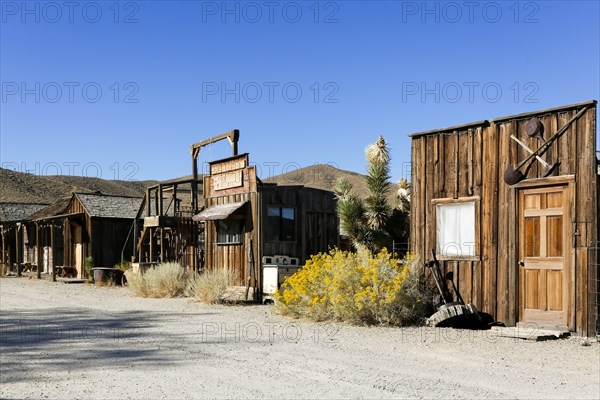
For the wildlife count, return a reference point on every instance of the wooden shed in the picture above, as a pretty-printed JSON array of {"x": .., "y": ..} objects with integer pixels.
[
  {"x": 523, "y": 251},
  {"x": 16, "y": 244},
  {"x": 92, "y": 224},
  {"x": 246, "y": 220}
]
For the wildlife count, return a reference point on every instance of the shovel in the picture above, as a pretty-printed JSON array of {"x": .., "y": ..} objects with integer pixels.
[
  {"x": 513, "y": 176},
  {"x": 549, "y": 167}
]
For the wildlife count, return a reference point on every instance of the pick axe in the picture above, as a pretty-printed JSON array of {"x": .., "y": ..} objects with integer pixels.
[
  {"x": 513, "y": 176},
  {"x": 549, "y": 167}
]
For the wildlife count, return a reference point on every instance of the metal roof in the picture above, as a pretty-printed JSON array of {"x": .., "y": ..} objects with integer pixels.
[
  {"x": 12, "y": 212},
  {"x": 103, "y": 206},
  {"x": 219, "y": 212}
]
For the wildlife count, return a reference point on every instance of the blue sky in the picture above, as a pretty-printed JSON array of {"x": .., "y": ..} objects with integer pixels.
[{"x": 122, "y": 89}]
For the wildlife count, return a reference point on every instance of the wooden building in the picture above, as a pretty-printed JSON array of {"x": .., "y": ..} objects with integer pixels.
[
  {"x": 163, "y": 229},
  {"x": 522, "y": 245},
  {"x": 246, "y": 220},
  {"x": 16, "y": 237},
  {"x": 91, "y": 225}
]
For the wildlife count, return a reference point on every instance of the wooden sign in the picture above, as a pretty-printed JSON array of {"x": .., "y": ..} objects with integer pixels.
[
  {"x": 229, "y": 164},
  {"x": 228, "y": 180}
]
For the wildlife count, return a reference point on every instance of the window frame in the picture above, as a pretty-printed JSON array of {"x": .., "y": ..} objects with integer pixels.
[
  {"x": 477, "y": 245},
  {"x": 279, "y": 239},
  {"x": 241, "y": 233}
]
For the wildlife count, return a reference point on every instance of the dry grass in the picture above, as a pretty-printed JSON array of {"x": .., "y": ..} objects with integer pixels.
[
  {"x": 210, "y": 287},
  {"x": 3, "y": 269},
  {"x": 165, "y": 280}
]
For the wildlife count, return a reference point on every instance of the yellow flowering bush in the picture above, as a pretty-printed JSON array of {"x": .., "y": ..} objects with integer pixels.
[{"x": 354, "y": 287}]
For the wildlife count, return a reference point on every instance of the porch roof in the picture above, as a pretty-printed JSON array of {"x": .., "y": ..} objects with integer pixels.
[{"x": 222, "y": 211}]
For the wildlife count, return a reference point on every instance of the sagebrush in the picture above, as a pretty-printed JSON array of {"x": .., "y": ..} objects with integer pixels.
[
  {"x": 355, "y": 287},
  {"x": 211, "y": 286},
  {"x": 164, "y": 280}
]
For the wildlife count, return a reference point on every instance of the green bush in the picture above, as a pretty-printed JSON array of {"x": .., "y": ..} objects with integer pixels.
[
  {"x": 357, "y": 288},
  {"x": 165, "y": 280},
  {"x": 211, "y": 286},
  {"x": 124, "y": 266},
  {"x": 89, "y": 265}
]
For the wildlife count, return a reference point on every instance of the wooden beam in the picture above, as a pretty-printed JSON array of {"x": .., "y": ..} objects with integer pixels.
[
  {"x": 17, "y": 258},
  {"x": 39, "y": 266},
  {"x": 53, "y": 263},
  {"x": 233, "y": 137}
]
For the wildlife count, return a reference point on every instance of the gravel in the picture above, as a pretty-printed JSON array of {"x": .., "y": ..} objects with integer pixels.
[{"x": 61, "y": 341}]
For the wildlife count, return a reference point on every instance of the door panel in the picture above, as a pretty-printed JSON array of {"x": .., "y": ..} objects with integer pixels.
[{"x": 544, "y": 256}]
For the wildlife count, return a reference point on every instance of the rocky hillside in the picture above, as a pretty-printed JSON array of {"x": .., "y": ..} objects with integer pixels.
[{"x": 22, "y": 187}]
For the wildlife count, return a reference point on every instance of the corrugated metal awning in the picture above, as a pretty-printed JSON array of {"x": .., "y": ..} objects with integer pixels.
[{"x": 221, "y": 211}]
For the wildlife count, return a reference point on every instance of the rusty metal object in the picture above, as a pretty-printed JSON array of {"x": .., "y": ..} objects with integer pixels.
[
  {"x": 451, "y": 313},
  {"x": 512, "y": 175},
  {"x": 534, "y": 128}
]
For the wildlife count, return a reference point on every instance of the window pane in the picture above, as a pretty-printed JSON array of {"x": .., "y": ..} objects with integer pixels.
[
  {"x": 230, "y": 231},
  {"x": 532, "y": 237},
  {"x": 288, "y": 224},
  {"x": 554, "y": 242},
  {"x": 273, "y": 228},
  {"x": 455, "y": 228}
]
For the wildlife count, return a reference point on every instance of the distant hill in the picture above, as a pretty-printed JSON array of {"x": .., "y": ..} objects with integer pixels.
[
  {"x": 20, "y": 187},
  {"x": 323, "y": 176}
]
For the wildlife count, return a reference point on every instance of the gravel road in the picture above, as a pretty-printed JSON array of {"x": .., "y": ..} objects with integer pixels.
[{"x": 61, "y": 341}]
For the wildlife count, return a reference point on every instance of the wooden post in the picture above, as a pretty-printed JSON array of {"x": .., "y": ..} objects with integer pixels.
[
  {"x": 17, "y": 258},
  {"x": 175, "y": 205},
  {"x": 52, "y": 264},
  {"x": 194, "y": 202},
  {"x": 151, "y": 245},
  {"x": 3, "y": 245},
  {"x": 148, "y": 202},
  {"x": 162, "y": 247},
  {"x": 39, "y": 265},
  {"x": 159, "y": 198}
]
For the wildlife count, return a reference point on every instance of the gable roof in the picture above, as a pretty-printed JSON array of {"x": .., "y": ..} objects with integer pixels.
[
  {"x": 59, "y": 207},
  {"x": 11, "y": 212},
  {"x": 104, "y": 206}
]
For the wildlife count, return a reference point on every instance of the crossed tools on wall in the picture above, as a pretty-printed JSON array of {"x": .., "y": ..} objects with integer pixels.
[{"x": 535, "y": 128}]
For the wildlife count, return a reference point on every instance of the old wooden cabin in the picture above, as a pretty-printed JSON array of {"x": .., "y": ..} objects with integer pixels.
[
  {"x": 88, "y": 225},
  {"x": 17, "y": 241},
  {"x": 523, "y": 251},
  {"x": 248, "y": 223}
]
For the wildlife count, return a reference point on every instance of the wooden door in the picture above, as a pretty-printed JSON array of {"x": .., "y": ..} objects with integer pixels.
[{"x": 544, "y": 257}]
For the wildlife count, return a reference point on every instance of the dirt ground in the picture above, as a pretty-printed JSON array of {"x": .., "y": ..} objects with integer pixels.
[{"x": 61, "y": 341}]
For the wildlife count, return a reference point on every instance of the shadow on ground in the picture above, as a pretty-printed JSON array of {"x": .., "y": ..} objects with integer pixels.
[{"x": 60, "y": 340}]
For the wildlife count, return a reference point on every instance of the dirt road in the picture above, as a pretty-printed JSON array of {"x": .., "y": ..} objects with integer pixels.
[{"x": 62, "y": 341}]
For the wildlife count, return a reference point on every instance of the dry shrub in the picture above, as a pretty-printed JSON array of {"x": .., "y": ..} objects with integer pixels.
[
  {"x": 3, "y": 269},
  {"x": 165, "y": 280},
  {"x": 211, "y": 286},
  {"x": 357, "y": 288}
]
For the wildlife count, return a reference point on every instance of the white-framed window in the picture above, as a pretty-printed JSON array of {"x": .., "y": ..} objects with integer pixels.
[{"x": 456, "y": 228}]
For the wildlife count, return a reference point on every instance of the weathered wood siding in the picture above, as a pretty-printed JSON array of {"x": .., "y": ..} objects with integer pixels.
[
  {"x": 234, "y": 257},
  {"x": 108, "y": 237},
  {"x": 469, "y": 161},
  {"x": 316, "y": 220}
]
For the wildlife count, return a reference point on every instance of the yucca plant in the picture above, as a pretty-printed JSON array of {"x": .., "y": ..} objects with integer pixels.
[{"x": 371, "y": 223}]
